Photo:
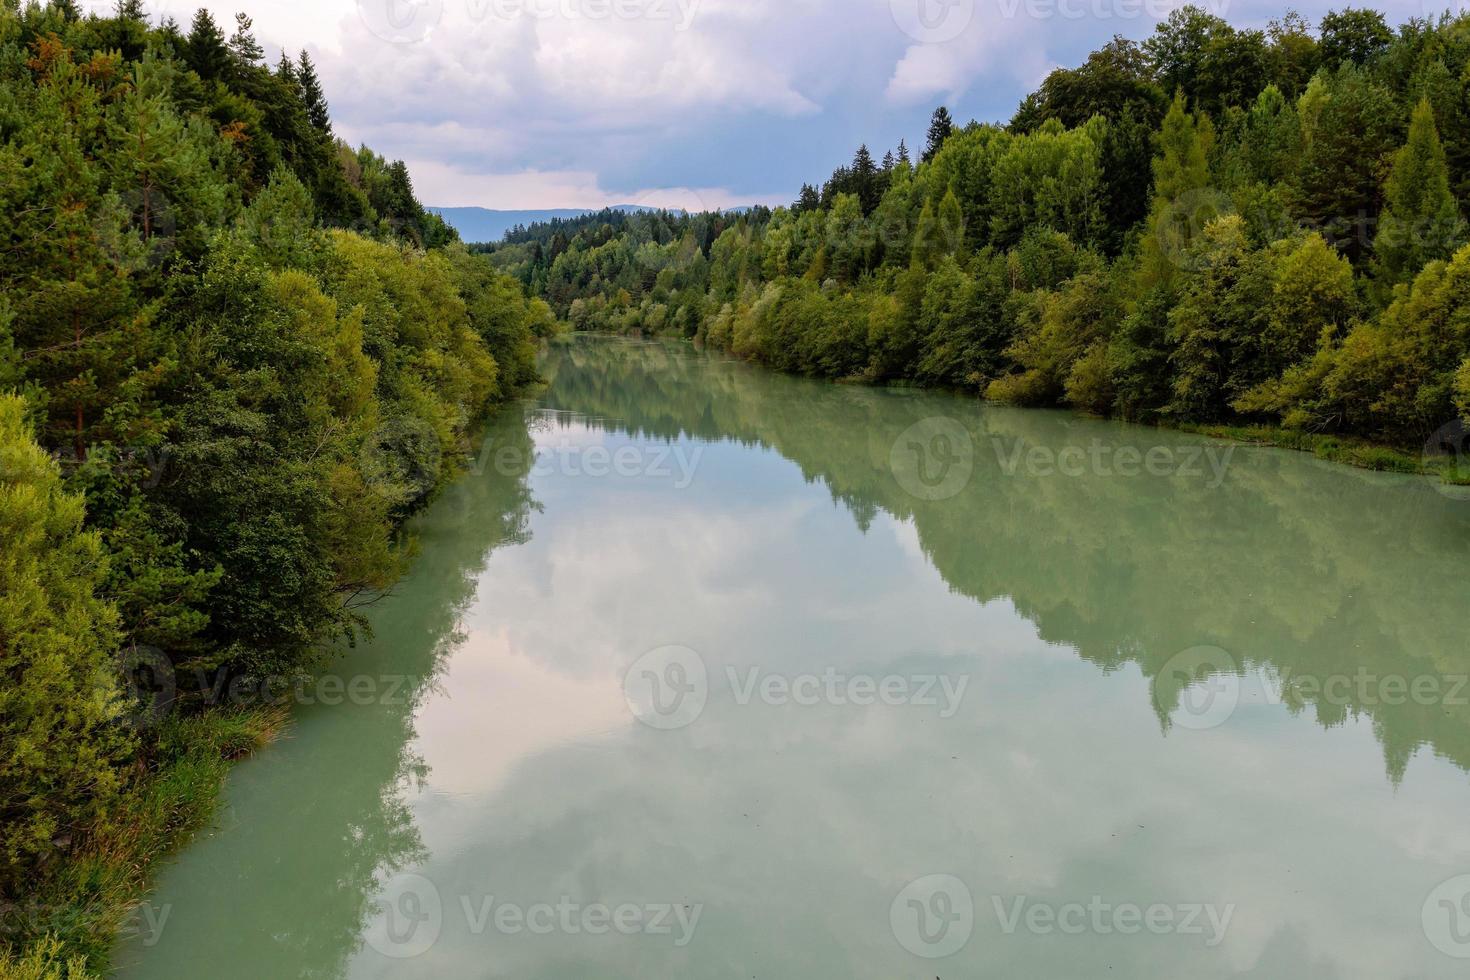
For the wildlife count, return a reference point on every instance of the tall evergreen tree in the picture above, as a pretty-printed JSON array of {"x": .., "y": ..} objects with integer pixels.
[
  {"x": 866, "y": 183},
  {"x": 60, "y": 740},
  {"x": 940, "y": 128},
  {"x": 205, "y": 48},
  {"x": 1351, "y": 127},
  {"x": 1421, "y": 221},
  {"x": 1181, "y": 205},
  {"x": 243, "y": 45},
  {"x": 312, "y": 94}
]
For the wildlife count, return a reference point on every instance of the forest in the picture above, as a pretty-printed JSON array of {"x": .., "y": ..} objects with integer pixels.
[
  {"x": 235, "y": 354},
  {"x": 1257, "y": 231}
]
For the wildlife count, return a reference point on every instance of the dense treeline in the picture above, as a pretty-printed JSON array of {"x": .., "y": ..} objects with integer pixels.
[
  {"x": 234, "y": 355},
  {"x": 1296, "y": 258}
]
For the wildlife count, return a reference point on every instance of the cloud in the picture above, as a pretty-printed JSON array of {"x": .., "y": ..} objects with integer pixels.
[
  {"x": 579, "y": 103},
  {"x": 449, "y": 186}
]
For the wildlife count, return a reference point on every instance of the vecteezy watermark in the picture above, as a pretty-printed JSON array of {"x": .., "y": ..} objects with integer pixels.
[
  {"x": 669, "y": 688},
  {"x": 401, "y": 21},
  {"x": 932, "y": 21},
  {"x": 940, "y": 691},
  {"x": 1100, "y": 459},
  {"x": 148, "y": 684},
  {"x": 1446, "y": 917},
  {"x": 933, "y": 916},
  {"x": 1201, "y": 688},
  {"x": 1101, "y": 917},
  {"x": 1447, "y": 459},
  {"x": 1153, "y": 10},
  {"x": 406, "y": 918},
  {"x": 151, "y": 687},
  {"x": 410, "y": 914},
  {"x": 940, "y": 21},
  {"x": 26, "y": 918},
  {"x": 411, "y": 21},
  {"x": 933, "y": 459},
  {"x": 676, "y": 462}
]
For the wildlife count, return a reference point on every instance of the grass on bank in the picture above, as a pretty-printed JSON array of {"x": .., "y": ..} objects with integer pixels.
[
  {"x": 1342, "y": 449},
  {"x": 67, "y": 931}
]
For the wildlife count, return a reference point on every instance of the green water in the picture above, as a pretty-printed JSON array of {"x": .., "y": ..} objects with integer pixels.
[{"x": 748, "y": 676}]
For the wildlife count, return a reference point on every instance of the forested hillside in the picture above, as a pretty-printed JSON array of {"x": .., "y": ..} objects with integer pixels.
[
  {"x": 235, "y": 354},
  {"x": 1295, "y": 259}
]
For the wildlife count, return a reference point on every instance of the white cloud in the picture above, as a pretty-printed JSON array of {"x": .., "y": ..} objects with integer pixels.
[{"x": 578, "y": 103}]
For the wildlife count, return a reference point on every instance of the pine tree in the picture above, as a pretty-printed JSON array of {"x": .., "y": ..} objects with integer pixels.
[
  {"x": 940, "y": 128},
  {"x": 60, "y": 704},
  {"x": 1421, "y": 221},
  {"x": 205, "y": 48},
  {"x": 63, "y": 276},
  {"x": 1182, "y": 205},
  {"x": 313, "y": 96},
  {"x": 864, "y": 180},
  {"x": 243, "y": 46}
]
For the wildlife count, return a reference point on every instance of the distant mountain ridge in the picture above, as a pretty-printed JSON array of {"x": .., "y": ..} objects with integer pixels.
[{"x": 487, "y": 225}]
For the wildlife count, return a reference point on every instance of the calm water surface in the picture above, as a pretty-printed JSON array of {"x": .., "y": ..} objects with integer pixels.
[{"x": 709, "y": 672}]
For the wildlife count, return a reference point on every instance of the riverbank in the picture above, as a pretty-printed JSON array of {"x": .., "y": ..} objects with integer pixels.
[
  {"x": 94, "y": 893},
  {"x": 172, "y": 793},
  {"x": 1348, "y": 450}
]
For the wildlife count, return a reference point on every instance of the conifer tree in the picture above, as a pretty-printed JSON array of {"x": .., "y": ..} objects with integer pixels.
[
  {"x": 205, "y": 48},
  {"x": 313, "y": 96},
  {"x": 1182, "y": 206},
  {"x": 1421, "y": 221},
  {"x": 940, "y": 128},
  {"x": 243, "y": 45},
  {"x": 59, "y": 705}
]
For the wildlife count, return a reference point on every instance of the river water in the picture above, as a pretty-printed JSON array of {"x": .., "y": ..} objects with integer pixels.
[{"x": 708, "y": 672}]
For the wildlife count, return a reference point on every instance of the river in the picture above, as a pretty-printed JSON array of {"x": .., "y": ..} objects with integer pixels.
[{"x": 708, "y": 672}]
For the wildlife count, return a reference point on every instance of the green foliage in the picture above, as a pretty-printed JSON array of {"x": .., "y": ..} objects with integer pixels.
[
  {"x": 231, "y": 403},
  {"x": 1421, "y": 221},
  {"x": 1251, "y": 281},
  {"x": 60, "y": 743}
]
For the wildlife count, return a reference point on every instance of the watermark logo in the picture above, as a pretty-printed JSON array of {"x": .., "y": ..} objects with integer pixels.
[
  {"x": 1185, "y": 219},
  {"x": 933, "y": 917},
  {"x": 1210, "y": 463},
  {"x": 1446, "y": 917},
  {"x": 405, "y": 452},
  {"x": 932, "y": 21},
  {"x": 401, "y": 21},
  {"x": 1447, "y": 459},
  {"x": 1105, "y": 918},
  {"x": 674, "y": 462},
  {"x": 667, "y": 688},
  {"x": 406, "y": 917},
  {"x": 1199, "y": 687},
  {"x": 1435, "y": 9},
  {"x": 933, "y": 459},
  {"x": 149, "y": 685}
]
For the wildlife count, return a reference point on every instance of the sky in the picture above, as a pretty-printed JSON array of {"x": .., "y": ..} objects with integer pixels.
[{"x": 698, "y": 104}]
